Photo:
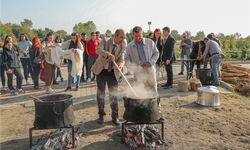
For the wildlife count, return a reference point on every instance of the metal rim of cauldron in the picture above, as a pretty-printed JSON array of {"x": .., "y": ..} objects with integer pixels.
[{"x": 63, "y": 100}]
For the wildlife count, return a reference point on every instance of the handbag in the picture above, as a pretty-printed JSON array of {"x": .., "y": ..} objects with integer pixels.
[{"x": 36, "y": 60}]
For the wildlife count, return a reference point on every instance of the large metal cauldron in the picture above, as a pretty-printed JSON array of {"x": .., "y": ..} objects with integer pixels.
[
  {"x": 54, "y": 112},
  {"x": 141, "y": 110}
]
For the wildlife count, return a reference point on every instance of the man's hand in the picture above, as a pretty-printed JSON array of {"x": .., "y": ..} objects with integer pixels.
[
  {"x": 183, "y": 44},
  {"x": 167, "y": 62},
  {"x": 73, "y": 50},
  {"x": 120, "y": 67},
  {"x": 207, "y": 60},
  {"x": 146, "y": 65},
  {"x": 9, "y": 71},
  {"x": 111, "y": 57}
]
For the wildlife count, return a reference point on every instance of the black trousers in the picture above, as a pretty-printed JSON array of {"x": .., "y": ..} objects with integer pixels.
[
  {"x": 37, "y": 71},
  {"x": 109, "y": 78},
  {"x": 169, "y": 71},
  {"x": 2, "y": 71},
  {"x": 197, "y": 63},
  {"x": 58, "y": 73},
  {"x": 19, "y": 76},
  {"x": 26, "y": 68}
]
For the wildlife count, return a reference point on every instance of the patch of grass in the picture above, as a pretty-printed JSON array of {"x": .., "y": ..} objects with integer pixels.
[
  {"x": 244, "y": 139},
  {"x": 178, "y": 101},
  {"x": 174, "y": 114},
  {"x": 29, "y": 112},
  {"x": 237, "y": 104}
]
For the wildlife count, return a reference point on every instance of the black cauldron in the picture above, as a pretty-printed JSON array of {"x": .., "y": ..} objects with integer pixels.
[
  {"x": 141, "y": 110},
  {"x": 54, "y": 112}
]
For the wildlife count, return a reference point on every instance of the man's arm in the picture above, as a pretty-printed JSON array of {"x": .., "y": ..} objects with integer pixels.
[
  {"x": 170, "y": 50},
  {"x": 127, "y": 56},
  {"x": 206, "y": 50}
]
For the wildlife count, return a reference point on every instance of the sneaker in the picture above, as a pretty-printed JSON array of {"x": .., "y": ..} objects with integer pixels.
[
  {"x": 4, "y": 88},
  {"x": 93, "y": 79},
  {"x": 55, "y": 82},
  {"x": 88, "y": 80},
  {"x": 181, "y": 73},
  {"x": 61, "y": 79},
  {"x": 77, "y": 88},
  {"x": 27, "y": 82},
  {"x": 13, "y": 93},
  {"x": 68, "y": 89},
  {"x": 50, "y": 91},
  {"x": 21, "y": 91}
]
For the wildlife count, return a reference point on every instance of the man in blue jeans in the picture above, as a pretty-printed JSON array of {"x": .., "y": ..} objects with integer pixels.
[
  {"x": 214, "y": 51},
  {"x": 186, "y": 45}
]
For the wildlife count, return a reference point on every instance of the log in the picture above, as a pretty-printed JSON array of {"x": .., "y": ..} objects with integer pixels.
[{"x": 183, "y": 86}]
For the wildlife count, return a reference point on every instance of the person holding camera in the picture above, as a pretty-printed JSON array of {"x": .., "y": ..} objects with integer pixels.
[
  {"x": 25, "y": 45},
  {"x": 186, "y": 45}
]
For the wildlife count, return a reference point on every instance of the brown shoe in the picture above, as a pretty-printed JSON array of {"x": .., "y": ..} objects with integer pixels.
[{"x": 55, "y": 82}]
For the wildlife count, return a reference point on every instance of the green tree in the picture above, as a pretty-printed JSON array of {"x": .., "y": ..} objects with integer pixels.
[
  {"x": 199, "y": 35},
  {"x": 48, "y": 30},
  {"x": 220, "y": 36},
  {"x": 231, "y": 43},
  {"x": 41, "y": 34},
  {"x": 108, "y": 32},
  {"x": 175, "y": 34},
  {"x": 4, "y": 31},
  {"x": 87, "y": 27},
  {"x": 17, "y": 31},
  {"x": 27, "y": 23},
  {"x": 237, "y": 35},
  {"x": 239, "y": 44}
]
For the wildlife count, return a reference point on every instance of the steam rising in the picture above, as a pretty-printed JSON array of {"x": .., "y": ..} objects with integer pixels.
[{"x": 143, "y": 84}]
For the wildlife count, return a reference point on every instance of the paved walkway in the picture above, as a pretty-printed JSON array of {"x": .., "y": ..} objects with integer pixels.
[{"x": 88, "y": 91}]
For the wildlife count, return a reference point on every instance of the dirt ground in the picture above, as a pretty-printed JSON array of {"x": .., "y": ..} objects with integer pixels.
[{"x": 187, "y": 125}]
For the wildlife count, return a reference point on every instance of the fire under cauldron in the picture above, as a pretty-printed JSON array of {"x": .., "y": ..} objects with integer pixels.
[
  {"x": 142, "y": 110},
  {"x": 55, "y": 111}
]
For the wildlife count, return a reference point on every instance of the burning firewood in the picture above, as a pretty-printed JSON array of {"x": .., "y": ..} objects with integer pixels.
[
  {"x": 145, "y": 136},
  {"x": 57, "y": 139}
]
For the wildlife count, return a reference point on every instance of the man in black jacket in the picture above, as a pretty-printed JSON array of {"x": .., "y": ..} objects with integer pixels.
[{"x": 168, "y": 56}]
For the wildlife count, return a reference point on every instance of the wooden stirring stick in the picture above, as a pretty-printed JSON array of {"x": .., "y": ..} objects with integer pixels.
[{"x": 35, "y": 98}]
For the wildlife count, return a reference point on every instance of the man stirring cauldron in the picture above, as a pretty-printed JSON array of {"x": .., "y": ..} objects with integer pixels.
[
  {"x": 109, "y": 50},
  {"x": 143, "y": 53}
]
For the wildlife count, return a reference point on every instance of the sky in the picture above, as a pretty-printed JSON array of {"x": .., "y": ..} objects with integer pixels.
[{"x": 218, "y": 16}]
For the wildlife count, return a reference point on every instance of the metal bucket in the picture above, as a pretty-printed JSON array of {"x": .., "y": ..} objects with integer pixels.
[{"x": 54, "y": 112}]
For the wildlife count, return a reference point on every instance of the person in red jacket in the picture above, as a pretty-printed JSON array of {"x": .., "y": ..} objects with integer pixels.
[{"x": 91, "y": 47}]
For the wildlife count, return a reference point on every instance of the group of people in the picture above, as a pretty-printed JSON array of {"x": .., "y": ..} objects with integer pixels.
[
  {"x": 145, "y": 55},
  {"x": 30, "y": 52},
  {"x": 207, "y": 50}
]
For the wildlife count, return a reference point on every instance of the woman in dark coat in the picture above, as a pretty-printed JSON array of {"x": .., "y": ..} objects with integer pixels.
[{"x": 159, "y": 43}]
